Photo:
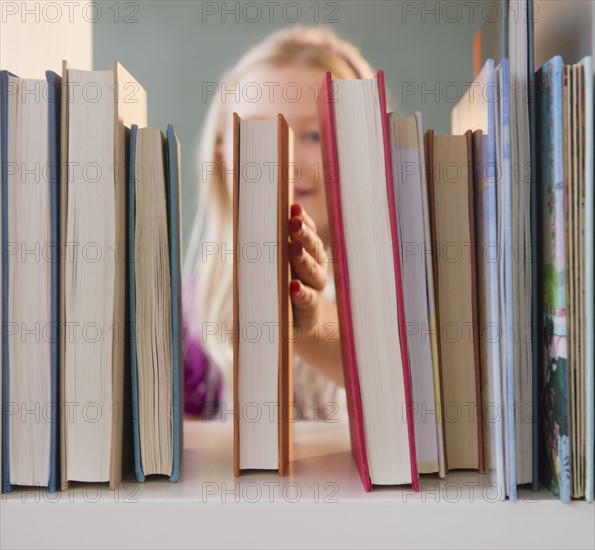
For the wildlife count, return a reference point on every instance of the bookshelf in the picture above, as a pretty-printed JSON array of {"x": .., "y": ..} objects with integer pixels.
[{"x": 210, "y": 508}]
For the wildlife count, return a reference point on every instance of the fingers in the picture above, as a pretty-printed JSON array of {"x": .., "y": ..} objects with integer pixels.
[
  {"x": 305, "y": 267},
  {"x": 306, "y": 252},
  {"x": 303, "y": 297},
  {"x": 299, "y": 231},
  {"x": 297, "y": 211}
]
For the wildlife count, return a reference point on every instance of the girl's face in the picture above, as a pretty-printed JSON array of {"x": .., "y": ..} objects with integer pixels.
[{"x": 292, "y": 91}]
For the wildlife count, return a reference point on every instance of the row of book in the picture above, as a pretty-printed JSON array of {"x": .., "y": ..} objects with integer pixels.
[
  {"x": 463, "y": 267},
  {"x": 90, "y": 282}
]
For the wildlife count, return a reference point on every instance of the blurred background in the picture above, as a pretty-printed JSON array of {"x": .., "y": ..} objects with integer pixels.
[{"x": 178, "y": 47}]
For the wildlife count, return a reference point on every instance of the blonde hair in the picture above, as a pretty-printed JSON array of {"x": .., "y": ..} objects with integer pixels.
[{"x": 316, "y": 47}]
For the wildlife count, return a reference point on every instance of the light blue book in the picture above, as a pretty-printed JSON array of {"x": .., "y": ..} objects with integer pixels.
[
  {"x": 476, "y": 111},
  {"x": 504, "y": 200}
]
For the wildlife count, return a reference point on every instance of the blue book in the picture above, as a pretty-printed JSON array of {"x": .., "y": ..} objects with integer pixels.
[
  {"x": 477, "y": 111},
  {"x": 508, "y": 33},
  {"x": 30, "y": 221},
  {"x": 154, "y": 216},
  {"x": 555, "y": 435},
  {"x": 173, "y": 158},
  {"x": 4, "y": 84},
  {"x": 505, "y": 223}
]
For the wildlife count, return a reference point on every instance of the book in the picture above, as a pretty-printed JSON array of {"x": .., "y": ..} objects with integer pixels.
[
  {"x": 364, "y": 232},
  {"x": 98, "y": 109},
  {"x": 154, "y": 300},
  {"x": 449, "y": 166},
  {"x": 477, "y": 111},
  {"x": 566, "y": 167},
  {"x": 30, "y": 166},
  {"x": 508, "y": 33},
  {"x": 506, "y": 274},
  {"x": 555, "y": 452},
  {"x": 570, "y": 217},
  {"x": 262, "y": 317},
  {"x": 496, "y": 39},
  {"x": 578, "y": 234},
  {"x": 589, "y": 266},
  {"x": 536, "y": 290},
  {"x": 491, "y": 39},
  {"x": 411, "y": 198},
  {"x": 3, "y": 177},
  {"x": 524, "y": 267}
]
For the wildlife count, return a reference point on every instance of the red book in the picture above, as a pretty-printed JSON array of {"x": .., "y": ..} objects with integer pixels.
[{"x": 365, "y": 249}]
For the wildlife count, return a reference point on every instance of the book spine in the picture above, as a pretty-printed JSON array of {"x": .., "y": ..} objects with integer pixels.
[
  {"x": 64, "y": 130},
  {"x": 474, "y": 302},
  {"x": 132, "y": 171},
  {"x": 6, "y": 486},
  {"x": 236, "y": 317},
  {"x": 285, "y": 358},
  {"x": 176, "y": 288},
  {"x": 54, "y": 89},
  {"x": 536, "y": 313}
]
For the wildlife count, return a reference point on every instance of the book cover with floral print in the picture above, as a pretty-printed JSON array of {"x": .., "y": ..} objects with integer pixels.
[{"x": 553, "y": 417}]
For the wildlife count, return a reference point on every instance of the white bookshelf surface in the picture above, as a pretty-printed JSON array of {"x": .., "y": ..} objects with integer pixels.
[{"x": 321, "y": 503}]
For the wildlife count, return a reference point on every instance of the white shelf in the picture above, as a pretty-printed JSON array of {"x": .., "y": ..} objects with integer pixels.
[{"x": 210, "y": 508}]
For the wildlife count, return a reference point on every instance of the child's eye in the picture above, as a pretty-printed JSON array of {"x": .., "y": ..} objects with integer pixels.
[{"x": 313, "y": 137}]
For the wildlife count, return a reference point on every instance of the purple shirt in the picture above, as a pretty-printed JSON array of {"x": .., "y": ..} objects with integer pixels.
[{"x": 203, "y": 381}]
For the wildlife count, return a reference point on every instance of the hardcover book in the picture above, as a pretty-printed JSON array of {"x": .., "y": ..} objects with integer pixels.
[
  {"x": 555, "y": 453},
  {"x": 30, "y": 123},
  {"x": 155, "y": 301},
  {"x": 449, "y": 165},
  {"x": 98, "y": 109},
  {"x": 411, "y": 196},
  {"x": 364, "y": 232},
  {"x": 262, "y": 366}
]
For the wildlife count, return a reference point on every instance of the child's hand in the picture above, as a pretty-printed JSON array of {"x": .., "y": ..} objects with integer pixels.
[{"x": 308, "y": 262}]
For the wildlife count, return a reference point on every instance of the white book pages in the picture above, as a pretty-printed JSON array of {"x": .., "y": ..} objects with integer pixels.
[
  {"x": 407, "y": 174},
  {"x": 154, "y": 341},
  {"x": 373, "y": 292},
  {"x": 258, "y": 295},
  {"x": 29, "y": 259},
  {"x": 90, "y": 273}
]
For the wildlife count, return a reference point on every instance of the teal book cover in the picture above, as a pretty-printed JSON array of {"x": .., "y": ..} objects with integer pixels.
[
  {"x": 171, "y": 161},
  {"x": 555, "y": 453}
]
